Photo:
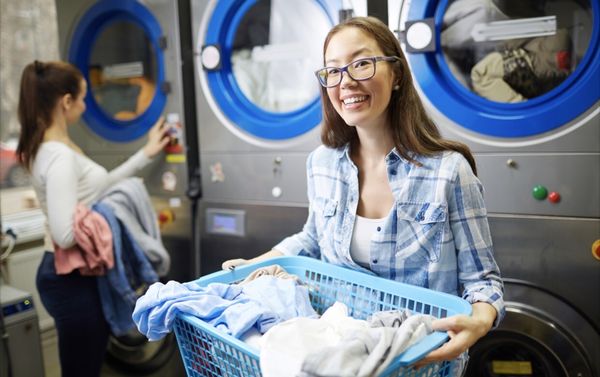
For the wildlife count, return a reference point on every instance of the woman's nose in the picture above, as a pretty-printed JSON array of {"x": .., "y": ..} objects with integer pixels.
[{"x": 347, "y": 80}]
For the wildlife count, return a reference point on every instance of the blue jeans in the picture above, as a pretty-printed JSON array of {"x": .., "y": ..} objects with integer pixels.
[{"x": 73, "y": 301}]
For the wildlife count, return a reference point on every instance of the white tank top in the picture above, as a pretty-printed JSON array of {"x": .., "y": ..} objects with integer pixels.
[{"x": 360, "y": 246}]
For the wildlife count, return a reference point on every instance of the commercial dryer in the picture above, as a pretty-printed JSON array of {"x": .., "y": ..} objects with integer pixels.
[
  {"x": 258, "y": 112},
  {"x": 129, "y": 52},
  {"x": 518, "y": 82}
]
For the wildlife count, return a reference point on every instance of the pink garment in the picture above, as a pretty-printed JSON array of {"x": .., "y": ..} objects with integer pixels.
[{"x": 93, "y": 254}]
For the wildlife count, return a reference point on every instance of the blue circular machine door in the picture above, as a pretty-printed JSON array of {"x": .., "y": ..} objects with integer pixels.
[
  {"x": 97, "y": 19},
  {"x": 550, "y": 106},
  {"x": 245, "y": 114}
]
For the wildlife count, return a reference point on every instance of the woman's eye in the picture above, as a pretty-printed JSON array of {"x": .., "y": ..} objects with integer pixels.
[
  {"x": 361, "y": 63},
  {"x": 333, "y": 71}
]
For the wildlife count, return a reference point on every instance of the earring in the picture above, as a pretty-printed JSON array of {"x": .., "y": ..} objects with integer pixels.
[{"x": 396, "y": 87}]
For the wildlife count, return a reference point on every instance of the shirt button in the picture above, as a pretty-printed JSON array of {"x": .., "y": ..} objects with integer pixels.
[
  {"x": 379, "y": 229},
  {"x": 374, "y": 261}
]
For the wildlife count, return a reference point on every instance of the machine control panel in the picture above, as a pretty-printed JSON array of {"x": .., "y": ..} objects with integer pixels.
[
  {"x": 225, "y": 221},
  {"x": 541, "y": 184}
]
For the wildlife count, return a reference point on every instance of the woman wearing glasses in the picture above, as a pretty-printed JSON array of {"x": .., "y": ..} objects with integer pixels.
[{"x": 388, "y": 196}]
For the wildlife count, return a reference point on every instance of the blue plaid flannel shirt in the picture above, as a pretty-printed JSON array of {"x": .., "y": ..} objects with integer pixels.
[{"x": 436, "y": 235}]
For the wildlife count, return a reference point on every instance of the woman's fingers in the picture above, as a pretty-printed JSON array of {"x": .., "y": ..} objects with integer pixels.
[{"x": 233, "y": 263}]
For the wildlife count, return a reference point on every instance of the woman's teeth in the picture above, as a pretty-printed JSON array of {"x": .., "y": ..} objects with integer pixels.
[{"x": 351, "y": 100}]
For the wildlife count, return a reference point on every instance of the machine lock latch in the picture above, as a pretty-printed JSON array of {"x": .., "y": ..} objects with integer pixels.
[
  {"x": 162, "y": 42},
  {"x": 165, "y": 87}
]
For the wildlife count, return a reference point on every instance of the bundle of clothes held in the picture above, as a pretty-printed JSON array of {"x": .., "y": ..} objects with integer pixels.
[
  {"x": 118, "y": 240},
  {"x": 271, "y": 311}
]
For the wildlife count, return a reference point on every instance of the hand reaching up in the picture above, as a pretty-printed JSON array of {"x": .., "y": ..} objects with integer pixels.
[{"x": 157, "y": 138}]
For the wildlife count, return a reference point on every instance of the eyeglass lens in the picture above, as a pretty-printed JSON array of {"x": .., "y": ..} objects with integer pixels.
[{"x": 359, "y": 70}]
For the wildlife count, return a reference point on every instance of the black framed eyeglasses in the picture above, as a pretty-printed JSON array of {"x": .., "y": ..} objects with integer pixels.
[{"x": 359, "y": 70}]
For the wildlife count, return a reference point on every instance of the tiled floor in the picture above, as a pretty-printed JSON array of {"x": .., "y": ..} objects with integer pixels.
[{"x": 173, "y": 368}]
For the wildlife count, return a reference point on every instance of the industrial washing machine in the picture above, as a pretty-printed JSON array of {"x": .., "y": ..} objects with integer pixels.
[
  {"x": 518, "y": 81},
  {"x": 131, "y": 55},
  {"x": 258, "y": 111}
]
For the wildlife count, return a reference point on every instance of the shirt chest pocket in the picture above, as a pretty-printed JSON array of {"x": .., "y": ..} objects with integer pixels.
[
  {"x": 420, "y": 231},
  {"x": 325, "y": 212}
]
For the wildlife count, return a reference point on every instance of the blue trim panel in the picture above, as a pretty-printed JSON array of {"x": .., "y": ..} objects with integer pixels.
[
  {"x": 93, "y": 22},
  {"x": 578, "y": 93},
  {"x": 243, "y": 113}
]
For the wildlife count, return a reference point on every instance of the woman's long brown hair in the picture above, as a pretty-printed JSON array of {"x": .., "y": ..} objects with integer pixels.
[
  {"x": 411, "y": 128},
  {"x": 42, "y": 86}
]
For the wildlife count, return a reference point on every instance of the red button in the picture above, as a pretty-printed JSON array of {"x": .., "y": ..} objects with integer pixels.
[
  {"x": 554, "y": 197},
  {"x": 165, "y": 216}
]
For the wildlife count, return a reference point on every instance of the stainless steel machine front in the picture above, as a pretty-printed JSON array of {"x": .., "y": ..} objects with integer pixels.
[
  {"x": 129, "y": 52},
  {"x": 258, "y": 112},
  {"x": 517, "y": 82}
]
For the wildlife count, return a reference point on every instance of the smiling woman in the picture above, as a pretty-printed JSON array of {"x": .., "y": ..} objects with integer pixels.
[{"x": 388, "y": 195}]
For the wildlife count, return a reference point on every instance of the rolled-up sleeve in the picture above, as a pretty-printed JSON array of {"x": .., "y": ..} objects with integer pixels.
[{"x": 478, "y": 272}]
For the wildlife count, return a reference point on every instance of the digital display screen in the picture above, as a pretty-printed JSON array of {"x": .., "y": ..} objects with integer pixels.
[{"x": 224, "y": 223}]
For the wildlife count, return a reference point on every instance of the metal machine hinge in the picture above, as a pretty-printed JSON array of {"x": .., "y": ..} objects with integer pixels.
[{"x": 162, "y": 42}]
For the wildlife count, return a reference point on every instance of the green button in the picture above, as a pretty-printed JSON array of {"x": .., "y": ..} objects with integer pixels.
[{"x": 539, "y": 192}]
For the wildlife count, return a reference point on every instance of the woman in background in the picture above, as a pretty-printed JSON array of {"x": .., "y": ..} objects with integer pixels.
[
  {"x": 52, "y": 98},
  {"x": 388, "y": 196}
]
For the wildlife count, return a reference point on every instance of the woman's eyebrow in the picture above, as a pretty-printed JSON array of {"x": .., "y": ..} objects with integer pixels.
[{"x": 354, "y": 54}]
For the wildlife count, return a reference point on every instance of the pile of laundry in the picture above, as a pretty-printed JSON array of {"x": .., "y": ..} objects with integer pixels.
[
  {"x": 118, "y": 240},
  {"x": 508, "y": 71},
  {"x": 271, "y": 311}
]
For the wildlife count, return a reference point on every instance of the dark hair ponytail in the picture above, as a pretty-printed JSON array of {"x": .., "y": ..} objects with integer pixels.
[{"x": 42, "y": 86}]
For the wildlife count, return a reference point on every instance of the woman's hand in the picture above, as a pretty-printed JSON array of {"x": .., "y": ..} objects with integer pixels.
[
  {"x": 233, "y": 263},
  {"x": 157, "y": 138},
  {"x": 464, "y": 331}
]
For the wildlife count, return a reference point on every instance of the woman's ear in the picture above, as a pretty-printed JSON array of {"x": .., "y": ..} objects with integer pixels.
[{"x": 66, "y": 101}]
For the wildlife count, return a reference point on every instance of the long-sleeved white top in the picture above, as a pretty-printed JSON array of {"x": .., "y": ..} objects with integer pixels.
[{"x": 63, "y": 177}]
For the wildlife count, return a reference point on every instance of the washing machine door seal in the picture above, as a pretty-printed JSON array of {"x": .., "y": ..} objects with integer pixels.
[
  {"x": 140, "y": 358},
  {"x": 573, "y": 97},
  {"x": 540, "y": 336},
  {"x": 88, "y": 29}
]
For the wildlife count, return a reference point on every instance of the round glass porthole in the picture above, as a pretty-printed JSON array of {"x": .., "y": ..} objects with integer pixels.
[
  {"x": 122, "y": 71},
  {"x": 515, "y": 50},
  {"x": 264, "y": 83},
  {"x": 273, "y": 58},
  {"x": 510, "y": 69},
  {"x": 116, "y": 46}
]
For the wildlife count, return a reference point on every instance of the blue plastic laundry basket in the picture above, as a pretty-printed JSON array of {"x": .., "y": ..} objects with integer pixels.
[{"x": 208, "y": 352}]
